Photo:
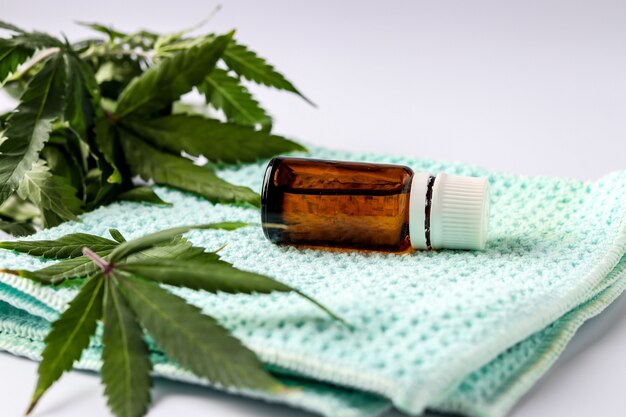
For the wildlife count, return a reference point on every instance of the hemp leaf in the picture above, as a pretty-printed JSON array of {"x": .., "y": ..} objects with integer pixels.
[
  {"x": 16, "y": 228},
  {"x": 94, "y": 114},
  {"x": 69, "y": 246},
  {"x": 120, "y": 286},
  {"x": 248, "y": 64},
  {"x": 225, "y": 92},
  {"x": 29, "y": 127},
  {"x": 226, "y": 142},
  {"x": 69, "y": 336},
  {"x": 125, "y": 357}
]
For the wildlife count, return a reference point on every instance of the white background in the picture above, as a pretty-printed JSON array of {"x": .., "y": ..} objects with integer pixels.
[{"x": 529, "y": 86}]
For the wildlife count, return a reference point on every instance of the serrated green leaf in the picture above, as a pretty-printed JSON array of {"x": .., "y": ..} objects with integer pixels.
[
  {"x": 19, "y": 210},
  {"x": 35, "y": 40},
  {"x": 142, "y": 39},
  {"x": 165, "y": 82},
  {"x": 29, "y": 127},
  {"x": 166, "y": 169},
  {"x": 173, "y": 37},
  {"x": 182, "y": 44},
  {"x": 107, "y": 140},
  {"x": 217, "y": 141},
  {"x": 81, "y": 266},
  {"x": 11, "y": 27},
  {"x": 195, "y": 340},
  {"x": 68, "y": 269},
  {"x": 74, "y": 145},
  {"x": 11, "y": 56},
  {"x": 62, "y": 164},
  {"x": 69, "y": 336},
  {"x": 209, "y": 277},
  {"x": 249, "y": 65},
  {"x": 212, "y": 277},
  {"x": 228, "y": 94},
  {"x": 178, "y": 248},
  {"x": 55, "y": 158},
  {"x": 100, "y": 185},
  {"x": 32, "y": 275},
  {"x": 167, "y": 247},
  {"x": 68, "y": 246},
  {"x": 125, "y": 357},
  {"x": 51, "y": 219},
  {"x": 114, "y": 75},
  {"x": 83, "y": 95},
  {"x": 142, "y": 194},
  {"x": 14, "y": 88},
  {"x": 165, "y": 236},
  {"x": 65, "y": 270},
  {"x": 17, "y": 229},
  {"x": 117, "y": 235},
  {"x": 108, "y": 30},
  {"x": 50, "y": 193}
]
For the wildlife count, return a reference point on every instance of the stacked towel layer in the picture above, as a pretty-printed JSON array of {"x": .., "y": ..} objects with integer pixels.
[{"x": 460, "y": 331}]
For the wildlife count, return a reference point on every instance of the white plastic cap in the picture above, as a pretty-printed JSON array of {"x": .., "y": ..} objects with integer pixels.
[{"x": 459, "y": 212}]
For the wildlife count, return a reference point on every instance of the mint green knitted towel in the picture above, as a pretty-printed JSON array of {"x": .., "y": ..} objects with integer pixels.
[{"x": 451, "y": 330}]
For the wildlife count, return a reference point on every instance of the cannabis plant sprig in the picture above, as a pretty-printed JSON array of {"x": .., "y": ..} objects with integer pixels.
[
  {"x": 119, "y": 285},
  {"x": 94, "y": 114}
]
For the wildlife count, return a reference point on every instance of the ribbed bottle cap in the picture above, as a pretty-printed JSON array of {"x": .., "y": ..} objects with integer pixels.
[{"x": 459, "y": 217}]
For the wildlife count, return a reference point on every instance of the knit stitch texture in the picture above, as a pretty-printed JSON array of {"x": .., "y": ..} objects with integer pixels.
[{"x": 452, "y": 330}]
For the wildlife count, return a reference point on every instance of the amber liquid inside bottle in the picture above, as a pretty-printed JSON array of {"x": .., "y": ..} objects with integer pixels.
[{"x": 331, "y": 203}]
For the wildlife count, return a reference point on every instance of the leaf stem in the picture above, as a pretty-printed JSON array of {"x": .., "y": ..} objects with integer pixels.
[
  {"x": 104, "y": 265},
  {"x": 109, "y": 116},
  {"x": 36, "y": 60}
]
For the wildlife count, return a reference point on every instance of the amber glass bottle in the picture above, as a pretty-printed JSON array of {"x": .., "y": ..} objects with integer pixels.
[
  {"x": 348, "y": 204},
  {"x": 364, "y": 205}
]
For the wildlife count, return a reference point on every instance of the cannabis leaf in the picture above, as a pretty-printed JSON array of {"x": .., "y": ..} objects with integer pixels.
[
  {"x": 11, "y": 56},
  {"x": 51, "y": 193},
  {"x": 194, "y": 340},
  {"x": 121, "y": 287},
  {"x": 125, "y": 358},
  {"x": 117, "y": 235},
  {"x": 68, "y": 246},
  {"x": 249, "y": 65},
  {"x": 69, "y": 336},
  {"x": 169, "y": 79},
  {"x": 149, "y": 163},
  {"x": 30, "y": 125},
  {"x": 16, "y": 228},
  {"x": 65, "y": 270},
  {"x": 112, "y": 33},
  {"x": 152, "y": 240},
  {"x": 228, "y": 94},
  {"x": 19, "y": 47},
  {"x": 95, "y": 114},
  {"x": 145, "y": 194},
  {"x": 83, "y": 94},
  {"x": 212, "y": 277},
  {"x": 11, "y": 27},
  {"x": 108, "y": 143},
  {"x": 217, "y": 141}
]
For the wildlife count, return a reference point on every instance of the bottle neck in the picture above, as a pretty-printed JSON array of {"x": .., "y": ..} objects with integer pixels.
[{"x": 420, "y": 206}]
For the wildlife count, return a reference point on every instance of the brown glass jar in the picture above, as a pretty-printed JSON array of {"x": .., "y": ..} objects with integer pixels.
[
  {"x": 351, "y": 204},
  {"x": 371, "y": 206}
]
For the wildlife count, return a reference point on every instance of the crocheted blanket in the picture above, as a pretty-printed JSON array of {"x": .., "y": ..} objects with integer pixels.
[{"x": 468, "y": 332}]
